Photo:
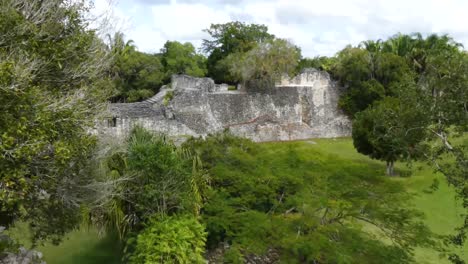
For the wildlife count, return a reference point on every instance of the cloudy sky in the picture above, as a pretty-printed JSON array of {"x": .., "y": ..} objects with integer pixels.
[{"x": 319, "y": 27}]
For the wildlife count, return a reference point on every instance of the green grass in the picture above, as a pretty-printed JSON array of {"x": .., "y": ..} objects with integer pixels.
[
  {"x": 441, "y": 208},
  {"x": 84, "y": 246}
]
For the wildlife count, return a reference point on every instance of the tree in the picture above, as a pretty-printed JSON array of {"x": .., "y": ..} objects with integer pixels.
[
  {"x": 439, "y": 67},
  {"x": 277, "y": 198},
  {"x": 265, "y": 64},
  {"x": 416, "y": 49},
  {"x": 374, "y": 47},
  {"x": 179, "y": 58},
  {"x": 385, "y": 131},
  {"x": 445, "y": 88},
  {"x": 319, "y": 62},
  {"x": 141, "y": 76},
  {"x": 400, "y": 44},
  {"x": 391, "y": 69},
  {"x": 151, "y": 193},
  {"x": 228, "y": 38},
  {"x": 148, "y": 177},
  {"x": 53, "y": 82},
  {"x": 368, "y": 75},
  {"x": 360, "y": 96},
  {"x": 352, "y": 66},
  {"x": 118, "y": 46},
  {"x": 137, "y": 75}
]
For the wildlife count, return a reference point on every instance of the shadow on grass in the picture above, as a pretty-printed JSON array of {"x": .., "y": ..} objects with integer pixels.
[
  {"x": 107, "y": 250},
  {"x": 84, "y": 247}
]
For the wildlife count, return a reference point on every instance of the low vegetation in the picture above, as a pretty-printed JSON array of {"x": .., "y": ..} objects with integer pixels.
[
  {"x": 305, "y": 205},
  {"x": 262, "y": 166}
]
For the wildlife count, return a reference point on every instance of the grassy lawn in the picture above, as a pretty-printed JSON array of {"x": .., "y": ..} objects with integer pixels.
[
  {"x": 84, "y": 246},
  {"x": 441, "y": 208}
]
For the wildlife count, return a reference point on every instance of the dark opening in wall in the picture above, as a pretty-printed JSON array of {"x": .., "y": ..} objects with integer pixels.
[{"x": 112, "y": 122}]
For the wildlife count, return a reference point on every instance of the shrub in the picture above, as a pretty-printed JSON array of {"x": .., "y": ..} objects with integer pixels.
[
  {"x": 168, "y": 97},
  {"x": 147, "y": 176},
  {"x": 175, "y": 239},
  {"x": 306, "y": 206},
  {"x": 139, "y": 95}
]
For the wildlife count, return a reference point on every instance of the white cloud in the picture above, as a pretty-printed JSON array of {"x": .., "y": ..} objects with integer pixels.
[
  {"x": 319, "y": 27},
  {"x": 186, "y": 21},
  {"x": 108, "y": 19}
]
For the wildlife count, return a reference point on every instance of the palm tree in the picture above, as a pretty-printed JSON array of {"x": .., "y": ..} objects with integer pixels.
[
  {"x": 372, "y": 46},
  {"x": 432, "y": 45},
  {"x": 118, "y": 46},
  {"x": 119, "y": 50},
  {"x": 400, "y": 44}
]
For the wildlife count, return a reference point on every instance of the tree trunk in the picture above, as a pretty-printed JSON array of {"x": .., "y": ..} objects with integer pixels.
[{"x": 390, "y": 171}]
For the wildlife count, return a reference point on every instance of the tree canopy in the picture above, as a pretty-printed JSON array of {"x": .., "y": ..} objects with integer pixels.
[
  {"x": 270, "y": 197},
  {"x": 389, "y": 131},
  {"x": 229, "y": 38},
  {"x": 179, "y": 58},
  {"x": 409, "y": 93},
  {"x": 368, "y": 76},
  {"x": 264, "y": 65},
  {"x": 137, "y": 75},
  {"x": 53, "y": 82}
]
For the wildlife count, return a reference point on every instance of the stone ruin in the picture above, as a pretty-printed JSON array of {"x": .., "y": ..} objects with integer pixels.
[{"x": 303, "y": 107}]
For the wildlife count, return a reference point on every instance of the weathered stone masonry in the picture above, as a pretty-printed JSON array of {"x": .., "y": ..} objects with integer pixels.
[{"x": 300, "y": 108}]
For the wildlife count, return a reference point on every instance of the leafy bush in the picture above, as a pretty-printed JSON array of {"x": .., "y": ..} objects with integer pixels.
[
  {"x": 53, "y": 84},
  {"x": 163, "y": 175},
  {"x": 147, "y": 176},
  {"x": 263, "y": 65},
  {"x": 233, "y": 256},
  {"x": 168, "y": 97},
  {"x": 134, "y": 72},
  {"x": 319, "y": 62},
  {"x": 308, "y": 207},
  {"x": 176, "y": 239},
  {"x": 182, "y": 58},
  {"x": 138, "y": 95}
]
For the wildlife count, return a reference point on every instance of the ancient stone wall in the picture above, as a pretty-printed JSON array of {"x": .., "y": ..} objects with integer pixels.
[{"x": 300, "y": 108}]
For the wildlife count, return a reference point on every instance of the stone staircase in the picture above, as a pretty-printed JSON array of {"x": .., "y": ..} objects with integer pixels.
[{"x": 157, "y": 98}]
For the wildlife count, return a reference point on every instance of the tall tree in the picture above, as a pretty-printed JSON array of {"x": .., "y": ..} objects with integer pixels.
[
  {"x": 439, "y": 67},
  {"x": 53, "y": 82},
  {"x": 228, "y": 38},
  {"x": 140, "y": 76},
  {"x": 368, "y": 75},
  {"x": 265, "y": 64},
  {"x": 118, "y": 46},
  {"x": 372, "y": 46},
  {"x": 416, "y": 49},
  {"x": 445, "y": 87},
  {"x": 137, "y": 75},
  {"x": 179, "y": 58},
  {"x": 385, "y": 131}
]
